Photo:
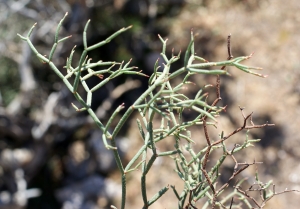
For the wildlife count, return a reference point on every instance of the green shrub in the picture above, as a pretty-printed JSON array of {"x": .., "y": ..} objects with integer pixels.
[{"x": 164, "y": 101}]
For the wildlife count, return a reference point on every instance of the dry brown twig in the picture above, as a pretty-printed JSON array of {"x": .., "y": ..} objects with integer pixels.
[{"x": 223, "y": 138}]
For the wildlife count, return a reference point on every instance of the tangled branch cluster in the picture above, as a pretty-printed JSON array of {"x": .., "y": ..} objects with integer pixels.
[{"x": 165, "y": 101}]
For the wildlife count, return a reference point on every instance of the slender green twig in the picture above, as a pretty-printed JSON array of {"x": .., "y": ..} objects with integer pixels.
[{"x": 167, "y": 102}]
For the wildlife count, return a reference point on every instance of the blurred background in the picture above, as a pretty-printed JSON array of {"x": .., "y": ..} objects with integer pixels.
[{"x": 52, "y": 157}]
